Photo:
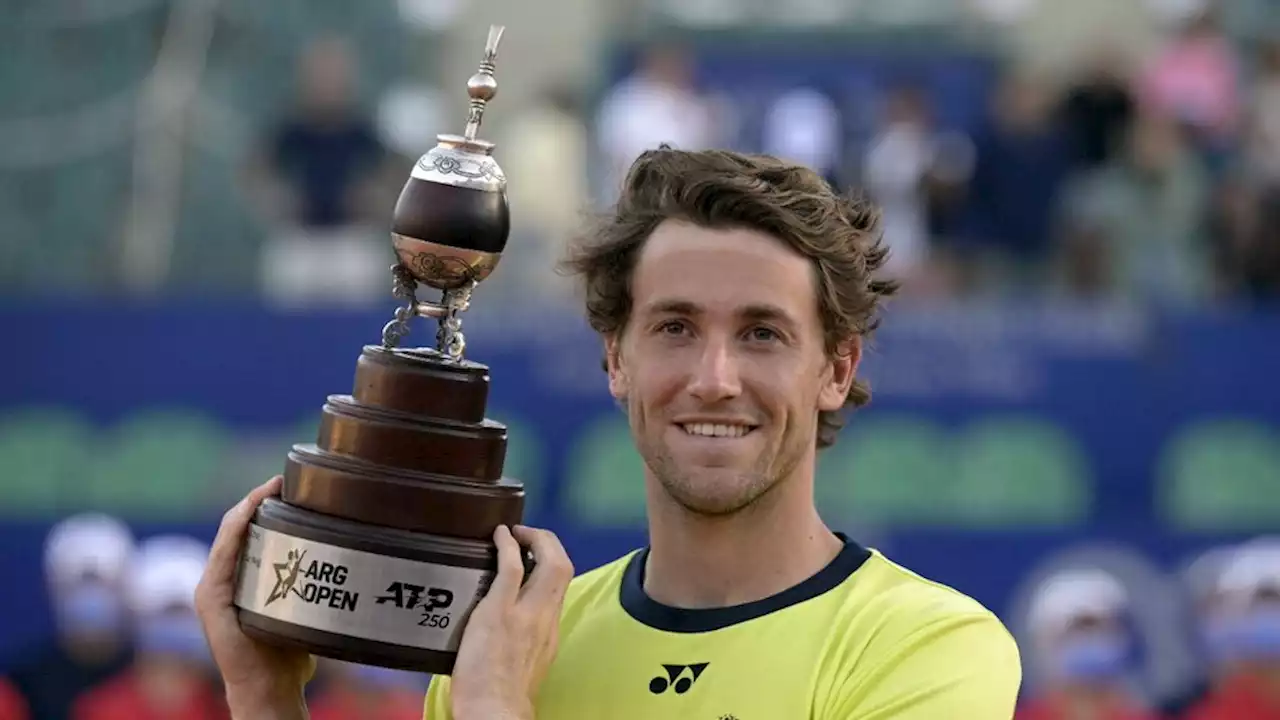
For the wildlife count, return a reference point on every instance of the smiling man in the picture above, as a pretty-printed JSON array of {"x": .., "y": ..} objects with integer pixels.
[{"x": 733, "y": 294}]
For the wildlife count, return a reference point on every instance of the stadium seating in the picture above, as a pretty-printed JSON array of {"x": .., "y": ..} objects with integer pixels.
[{"x": 1221, "y": 475}]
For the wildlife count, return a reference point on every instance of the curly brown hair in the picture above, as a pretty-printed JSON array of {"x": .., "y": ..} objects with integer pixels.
[{"x": 723, "y": 189}]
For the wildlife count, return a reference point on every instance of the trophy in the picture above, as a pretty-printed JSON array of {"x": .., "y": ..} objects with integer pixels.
[{"x": 380, "y": 545}]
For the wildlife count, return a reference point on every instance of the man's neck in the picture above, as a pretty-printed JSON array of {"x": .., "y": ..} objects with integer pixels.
[{"x": 705, "y": 562}]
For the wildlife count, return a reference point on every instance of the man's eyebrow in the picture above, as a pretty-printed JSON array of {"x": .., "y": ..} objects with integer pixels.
[
  {"x": 672, "y": 307},
  {"x": 766, "y": 312},
  {"x": 758, "y": 312}
]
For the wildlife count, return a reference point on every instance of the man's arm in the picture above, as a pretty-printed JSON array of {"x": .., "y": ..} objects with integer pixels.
[
  {"x": 511, "y": 637},
  {"x": 965, "y": 666},
  {"x": 262, "y": 682}
]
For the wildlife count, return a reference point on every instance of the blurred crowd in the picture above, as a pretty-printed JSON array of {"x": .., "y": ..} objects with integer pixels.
[
  {"x": 1151, "y": 179},
  {"x": 1085, "y": 652},
  {"x": 1144, "y": 178},
  {"x": 128, "y": 643}
]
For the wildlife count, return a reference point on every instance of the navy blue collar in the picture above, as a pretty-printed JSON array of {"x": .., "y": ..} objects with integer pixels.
[{"x": 695, "y": 620}]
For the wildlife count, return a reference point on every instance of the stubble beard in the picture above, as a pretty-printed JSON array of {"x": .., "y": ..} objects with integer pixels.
[{"x": 751, "y": 487}]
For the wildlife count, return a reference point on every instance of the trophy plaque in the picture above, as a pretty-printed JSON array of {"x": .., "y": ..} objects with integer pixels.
[{"x": 380, "y": 545}]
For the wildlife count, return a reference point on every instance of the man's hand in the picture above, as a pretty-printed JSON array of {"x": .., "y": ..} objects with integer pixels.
[
  {"x": 261, "y": 681},
  {"x": 512, "y": 635}
]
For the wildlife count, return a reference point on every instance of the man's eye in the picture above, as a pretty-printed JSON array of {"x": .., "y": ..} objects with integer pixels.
[
  {"x": 671, "y": 327},
  {"x": 764, "y": 334}
]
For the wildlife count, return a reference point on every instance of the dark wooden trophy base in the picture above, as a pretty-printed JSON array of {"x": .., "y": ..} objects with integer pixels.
[{"x": 380, "y": 545}]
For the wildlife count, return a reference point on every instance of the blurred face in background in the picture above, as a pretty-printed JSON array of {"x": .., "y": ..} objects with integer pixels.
[
  {"x": 327, "y": 76},
  {"x": 1246, "y": 636},
  {"x": 1155, "y": 144},
  {"x": 906, "y": 105},
  {"x": 172, "y": 636},
  {"x": 722, "y": 365},
  {"x": 1023, "y": 103},
  {"x": 669, "y": 66},
  {"x": 1092, "y": 652},
  {"x": 90, "y": 613}
]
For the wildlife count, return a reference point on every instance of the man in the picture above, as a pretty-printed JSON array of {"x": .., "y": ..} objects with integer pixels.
[
  {"x": 732, "y": 294},
  {"x": 85, "y": 559},
  {"x": 1246, "y": 633},
  {"x": 169, "y": 678},
  {"x": 1084, "y": 649}
]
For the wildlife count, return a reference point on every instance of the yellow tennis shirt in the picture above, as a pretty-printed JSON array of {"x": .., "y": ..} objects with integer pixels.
[{"x": 863, "y": 639}]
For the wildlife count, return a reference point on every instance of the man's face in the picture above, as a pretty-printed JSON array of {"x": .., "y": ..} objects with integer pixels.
[{"x": 722, "y": 365}]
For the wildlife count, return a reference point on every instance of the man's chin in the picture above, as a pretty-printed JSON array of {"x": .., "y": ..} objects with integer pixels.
[{"x": 720, "y": 502}]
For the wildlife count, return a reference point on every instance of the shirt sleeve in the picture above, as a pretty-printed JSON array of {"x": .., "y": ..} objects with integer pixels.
[
  {"x": 437, "y": 702},
  {"x": 967, "y": 666}
]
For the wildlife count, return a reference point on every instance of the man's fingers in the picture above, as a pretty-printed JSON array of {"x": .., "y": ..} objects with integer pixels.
[
  {"x": 226, "y": 544},
  {"x": 552, "y": 570},
  {"x": 510, "y": 568}
]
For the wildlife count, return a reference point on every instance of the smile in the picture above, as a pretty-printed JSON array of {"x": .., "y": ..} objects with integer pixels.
[{"x": 719, "y": 430}]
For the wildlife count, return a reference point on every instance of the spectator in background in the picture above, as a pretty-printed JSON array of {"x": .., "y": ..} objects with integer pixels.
[
  {"x": 321, "y": 184},
  {"x": 656, "y": 104},
  {"x": 1245, "y": 226},
  {"x": 364, "y": 692},
  {"x": 917, "y": 174},
  {"x": 1202, "y": 581},
  {"x": 1264, "y": 119},
  {"x": 85, "y": 559},
  {"x": 803, "y": 125},
  {"x": 1083, "y": 649},
  {"x": 545, "y": 156},
  {"x": 1097, "y": 109},
  {"x": 1245, "y": 628},
  {"x": 1195, "y": 79},
  {"x": 1246, "y": 211},
  {"x": 899, "y": 158},
  {"x": 171, "y": 677},
  {"x": 1023, "y": 158},
  {"x": 1149, "y": 210}
]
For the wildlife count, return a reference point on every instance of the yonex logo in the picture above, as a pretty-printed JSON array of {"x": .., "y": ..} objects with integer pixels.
[{"x": 679, "y": 678}]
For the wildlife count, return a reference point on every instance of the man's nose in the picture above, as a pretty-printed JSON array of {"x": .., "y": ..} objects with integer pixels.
[{"x": 716, "y": 376}]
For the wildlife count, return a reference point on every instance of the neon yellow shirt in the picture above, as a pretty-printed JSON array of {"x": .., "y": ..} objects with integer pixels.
[{"x": 864, "y": 639}]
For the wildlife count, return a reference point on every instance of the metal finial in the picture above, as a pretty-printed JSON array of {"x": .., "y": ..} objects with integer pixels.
[{"x": 482, "y": 86}]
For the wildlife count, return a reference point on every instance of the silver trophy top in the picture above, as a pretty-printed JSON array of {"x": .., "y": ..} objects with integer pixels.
[
  {"x": 445, "y": 236},
  {"x": 465, "y": 160}
]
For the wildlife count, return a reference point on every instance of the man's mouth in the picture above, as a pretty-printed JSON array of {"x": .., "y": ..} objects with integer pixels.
[{"x": 717, "y": 430}]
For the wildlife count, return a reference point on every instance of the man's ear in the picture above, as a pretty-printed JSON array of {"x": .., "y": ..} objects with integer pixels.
[
  {"x": 619, "y": 384},
  {"x": 844, "y": 368}
]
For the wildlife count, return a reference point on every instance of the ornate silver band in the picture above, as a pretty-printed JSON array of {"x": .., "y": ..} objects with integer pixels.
[
  {"x": 461, "y": 168},
  {"x": 357, "y": 594}
]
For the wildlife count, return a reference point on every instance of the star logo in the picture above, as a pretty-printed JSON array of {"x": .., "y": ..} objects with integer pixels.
[{"x": 286, "y": 576}]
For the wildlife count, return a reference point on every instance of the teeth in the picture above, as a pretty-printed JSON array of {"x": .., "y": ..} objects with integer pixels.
[{"x": 716, "y": 430}]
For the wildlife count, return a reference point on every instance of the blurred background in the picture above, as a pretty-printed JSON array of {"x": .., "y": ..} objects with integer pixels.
[{"x": 1076, "y": 415}]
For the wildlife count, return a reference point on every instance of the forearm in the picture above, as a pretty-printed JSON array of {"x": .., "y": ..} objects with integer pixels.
[
  {"x": 269, "y": 705},
  {"x": 494, "y": 711}
]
